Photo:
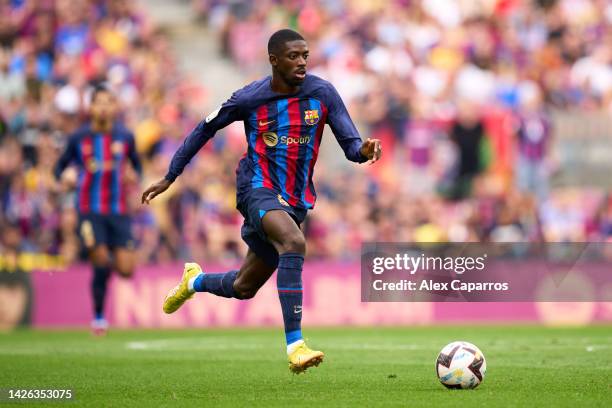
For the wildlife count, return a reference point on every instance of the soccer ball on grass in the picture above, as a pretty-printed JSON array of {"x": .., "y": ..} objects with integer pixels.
[{"x": 461, "y": 365}]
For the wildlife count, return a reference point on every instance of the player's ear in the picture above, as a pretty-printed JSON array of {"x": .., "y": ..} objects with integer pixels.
[{"x": 273, "y": 60}]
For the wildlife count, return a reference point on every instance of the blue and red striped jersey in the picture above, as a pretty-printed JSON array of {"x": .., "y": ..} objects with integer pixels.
[
  {"x": 283, "y": 134},
  {"x": 101, "y": 159}
]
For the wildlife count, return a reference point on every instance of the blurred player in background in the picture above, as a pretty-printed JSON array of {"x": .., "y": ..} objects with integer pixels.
[
  {"x": 284, "y": 116},
  {"x": 100, "y": 149}
]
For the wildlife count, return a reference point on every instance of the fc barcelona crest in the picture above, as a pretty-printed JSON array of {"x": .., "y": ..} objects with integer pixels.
[{"x": 311, "y": 117}]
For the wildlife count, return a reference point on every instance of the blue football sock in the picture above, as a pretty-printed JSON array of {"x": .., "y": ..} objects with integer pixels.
[
  {"x": 220, "y": 284},
  {"x": 99, "y": 284},
  {"x": 289, "y": 285}
]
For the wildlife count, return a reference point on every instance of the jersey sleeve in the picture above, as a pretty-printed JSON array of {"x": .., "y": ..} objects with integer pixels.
[
  {"x": 230, "y": 111},
  {"x": 133, "y": 155},
  {"x": 343, "y": 127},
  {"x": 69, "y": 154}
]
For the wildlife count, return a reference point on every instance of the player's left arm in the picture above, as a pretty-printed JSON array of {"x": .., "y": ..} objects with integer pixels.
[
  {"x": 133, "y": 155},
  {"x": 346, "y": 133}
]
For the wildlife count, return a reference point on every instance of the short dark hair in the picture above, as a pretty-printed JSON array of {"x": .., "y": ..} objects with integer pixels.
[
  {"x": 279, "y": 38},
  {"x": 99, "y": 88}
]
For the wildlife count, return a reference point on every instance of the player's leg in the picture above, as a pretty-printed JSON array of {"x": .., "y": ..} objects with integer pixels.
[
  {"x": 240, "y": 284},
  {"x": 253, "y": 274},
  {"x": 260, "y": 263},
  {"x": 287, "y": 238},
  {"x": 125, "y": 262},
  {"x": 94, "y": 236},
  {"x": 120, "y": 238},
  {"x": 100, "y": 259}
]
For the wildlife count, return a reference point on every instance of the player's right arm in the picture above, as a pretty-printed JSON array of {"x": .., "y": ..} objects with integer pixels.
[
  {"x": 229, "y": 112},
  {"x": 69, "y": 154}
]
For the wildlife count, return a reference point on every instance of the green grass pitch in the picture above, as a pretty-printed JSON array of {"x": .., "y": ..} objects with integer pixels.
[{"x": 368, "y": 367}]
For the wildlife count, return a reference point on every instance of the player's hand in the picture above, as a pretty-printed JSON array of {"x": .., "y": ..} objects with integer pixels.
[
  {"x": 55, "y": 187},
  {"x": 69, "y": 179},
  {"x": 371, "y": 149},
  {"x": 154, "y": 190}
]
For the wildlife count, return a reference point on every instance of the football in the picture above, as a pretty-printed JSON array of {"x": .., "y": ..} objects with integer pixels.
[{"x": 461, "y": 365}]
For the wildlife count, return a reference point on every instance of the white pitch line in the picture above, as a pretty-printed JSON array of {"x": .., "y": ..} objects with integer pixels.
[
  {"x": 221, "y": 344},
  {"x": 189, "y": 344},
  {"x": 594, "y": 347}
]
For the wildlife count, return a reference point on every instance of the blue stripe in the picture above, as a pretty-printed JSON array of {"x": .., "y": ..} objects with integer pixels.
[
  {"x": 289, "y": 288},
  {"x": 257, "y": 180},
  {"x": 282, "y": 107},
  {"x": 96, "y": 184},
  {"x": 115, "y": 192},
  {"x": 314, "y": 104},
  {"x": 293, "y": 336}
]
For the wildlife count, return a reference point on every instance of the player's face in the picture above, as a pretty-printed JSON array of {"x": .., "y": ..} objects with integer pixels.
[
  {"x": 291, "y": 63},
  {"x": 103, "y": 107}
]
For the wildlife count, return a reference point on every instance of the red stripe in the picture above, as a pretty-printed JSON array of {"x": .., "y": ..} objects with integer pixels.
[
  {"x": 105, "y": 185},
  {"x": 120, "y": 173},
  {"x": 290, "y": 290},
  {"x": 260, "y": 146},
  {"x": 295, "y": 129},
  {"x": 309, "y": 195},
  {"x": 86, "y": 151}
]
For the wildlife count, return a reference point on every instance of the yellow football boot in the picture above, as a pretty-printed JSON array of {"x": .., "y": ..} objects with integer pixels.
[
  {"x": 303, "y": 358},
  {"x": 181, "y": 293}
]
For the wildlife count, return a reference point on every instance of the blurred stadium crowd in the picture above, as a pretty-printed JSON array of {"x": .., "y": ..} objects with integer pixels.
[{"x": 460, "y": 92}]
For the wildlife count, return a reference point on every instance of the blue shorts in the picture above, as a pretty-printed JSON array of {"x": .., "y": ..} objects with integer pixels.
[
  {"x": 253, "y": 205},
  {"x": 113, "y": 230}
]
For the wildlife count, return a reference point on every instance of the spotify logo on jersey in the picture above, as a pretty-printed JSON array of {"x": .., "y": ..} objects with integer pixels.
[{"x": 270, "y": 139}]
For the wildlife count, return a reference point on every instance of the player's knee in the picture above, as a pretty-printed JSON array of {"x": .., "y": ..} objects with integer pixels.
[
  {"x": 245, "y": 294},
  {"x": 125, "y": 271},
  {"x": 244, "y": 290},
  {"x": 100, "y": 258},
  {"x": 294, "y": 243},
  {"x": 125, "y": 264}
]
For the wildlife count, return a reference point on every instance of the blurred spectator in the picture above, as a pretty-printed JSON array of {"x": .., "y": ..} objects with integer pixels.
[
  {"x": 15, "y": 286},
  {"x": 467, "y": 134},
  {"x": 12, "y": 84},
  {"x": 534, "y": 132}
]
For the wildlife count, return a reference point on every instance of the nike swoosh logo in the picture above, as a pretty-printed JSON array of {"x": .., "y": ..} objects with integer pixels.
[{"x": 262, "y": 123}]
